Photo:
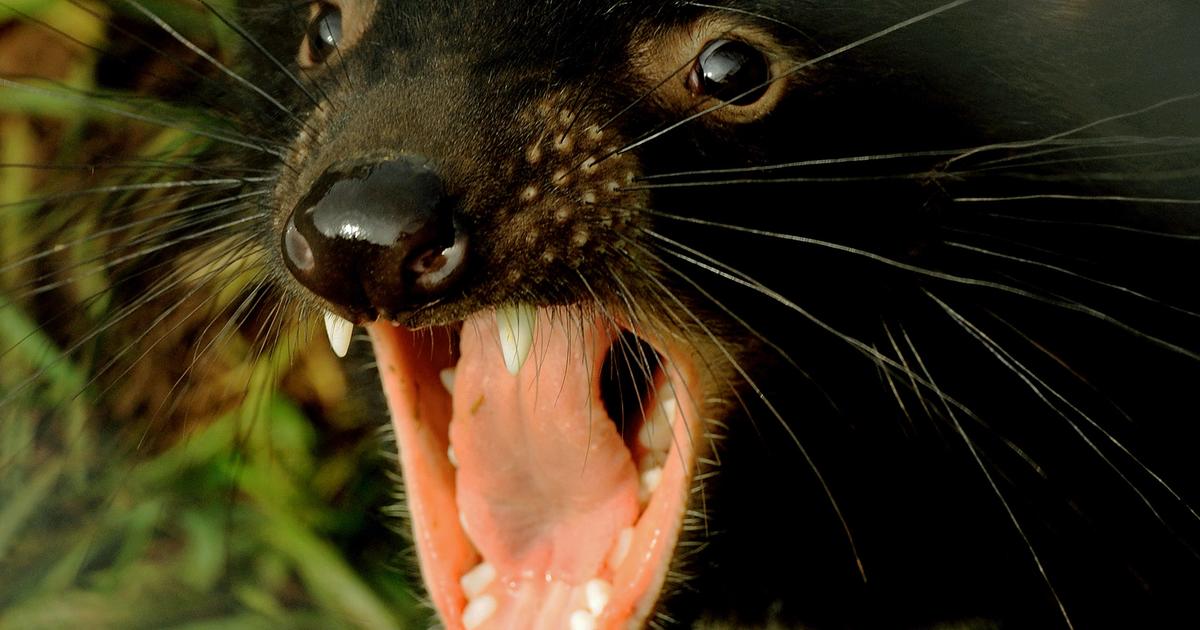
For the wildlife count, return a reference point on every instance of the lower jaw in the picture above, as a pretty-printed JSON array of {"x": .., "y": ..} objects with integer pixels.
[{"x": 588, "y": 563}]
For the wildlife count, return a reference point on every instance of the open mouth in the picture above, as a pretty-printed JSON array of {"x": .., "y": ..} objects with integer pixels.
[{"x": 548, "y": 458}]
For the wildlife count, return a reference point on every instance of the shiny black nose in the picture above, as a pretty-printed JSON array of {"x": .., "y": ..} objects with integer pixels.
[{"x": 376, "y": 238}]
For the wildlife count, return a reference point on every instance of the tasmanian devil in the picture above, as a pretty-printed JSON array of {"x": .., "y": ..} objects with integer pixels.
[{"x": 727, "y": 313}]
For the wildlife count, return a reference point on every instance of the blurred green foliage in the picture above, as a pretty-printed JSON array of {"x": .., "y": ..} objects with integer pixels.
[{"x": 260, "y": 519}]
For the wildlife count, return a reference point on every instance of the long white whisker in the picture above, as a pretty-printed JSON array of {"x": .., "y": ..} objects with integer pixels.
[
  {"x": 899, "y": 26},
  {"x": 1012, "y": 516}
]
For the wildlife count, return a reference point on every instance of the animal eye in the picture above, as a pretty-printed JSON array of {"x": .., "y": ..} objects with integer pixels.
[
  {"x": 728, "y": 69},
  {"x": 324, "y": 32}
]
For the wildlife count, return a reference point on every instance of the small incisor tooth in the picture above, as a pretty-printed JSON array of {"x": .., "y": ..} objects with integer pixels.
[
  {"x": 477, "y": 580},
  {"x": 621, "y": 549},
  {"x": 597, "y": 593},
  {"x": 582, "y": 620},
  {"x": 478, "y": 611}
]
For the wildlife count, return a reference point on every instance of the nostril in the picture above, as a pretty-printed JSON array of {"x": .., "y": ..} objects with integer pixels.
[
  {"x": 299, "y": 252},
  {"x": 376, "y": 237},
  {"x": 440, "y": 267}
]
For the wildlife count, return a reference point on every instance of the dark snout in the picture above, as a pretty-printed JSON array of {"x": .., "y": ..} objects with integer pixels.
[{"x": 376, "y": 237}]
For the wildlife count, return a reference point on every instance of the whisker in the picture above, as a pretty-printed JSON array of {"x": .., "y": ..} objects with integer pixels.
[
  {"x": 1095, "y": 225},
  {"x": 1064, "y": 197},
  {"x": 210, "y": 293},
  {"x": 762, "y": 397},
  {"x": 1040, "y": 389},
  {"x": 131, "y": 165},
  {"x": 634, "y": 307},
  {"x": 919, "y": 176},
  {"x": 90, "y": 101},
  {"x": 211, "y": 105},
  {"x": 107, "y": 190},
  {"x": 1004, "y": 146},
  {"x": 951, "y": 278},
  {"x": 899, "y": 26},
  {"x": 728, "y": 311},
  {"x": 224, "y": 69},
  {"x": 912, "y": 385},
  {"x": 254, "y": 43},
  {"x": 97, "y": 235},
  {"x": 140, "y": 253},
  {"x": 1067, "y": 272},
  {"x": 835, "y": 161},
  {"x": 1012, "y": 516},
  {"x": 1171, "y": 145},
  {"x": 645, "y": 95},
  {"x": 165, "y": 285}
]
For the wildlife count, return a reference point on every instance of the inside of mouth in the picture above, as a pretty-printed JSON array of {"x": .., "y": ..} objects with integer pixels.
[
  {"x": 551, "y": 497},
  {"x": 629, "y": 382}
]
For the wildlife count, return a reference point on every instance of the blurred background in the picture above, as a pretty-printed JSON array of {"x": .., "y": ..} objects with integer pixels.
[{"x": 272, "y": 504}]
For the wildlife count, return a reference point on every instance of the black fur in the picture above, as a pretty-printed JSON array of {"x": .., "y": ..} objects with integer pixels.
[{"x": 953, "y": 266}]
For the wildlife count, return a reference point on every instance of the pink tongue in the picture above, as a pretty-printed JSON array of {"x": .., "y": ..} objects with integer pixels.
[{"x": 545, "y": 482}]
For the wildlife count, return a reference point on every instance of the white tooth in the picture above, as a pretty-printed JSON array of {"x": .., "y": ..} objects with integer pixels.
[
  {"x": 582, "y": 620},
  {"x": 478, "y": 611},
  {"x": 621, "y": 549},
  {"x": 652, "y": 459},
  {"x": 339, "y": 331},
  {"x": 655, "y": 433},
  {"x": 597, "y": 592},
  {"x": 649, "y": 482},
  {"x": 451, "y": 456},
  {"x": 668, "y": 405},
  {"x": 477, "y": 580},
  {"x": 447, "y": 376},
  {"x": 516, "y": 325}
]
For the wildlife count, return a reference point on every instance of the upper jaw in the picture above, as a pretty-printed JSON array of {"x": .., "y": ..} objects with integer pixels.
[{"x": 530, "y": 505}]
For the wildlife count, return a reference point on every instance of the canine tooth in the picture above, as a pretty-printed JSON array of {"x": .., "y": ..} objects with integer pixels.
[
  {"x": 476, "y": 580},
  {"x": 451, "y": 456},
  {"x": 649, "y": 483},
  {"x": 339, "y": 331},
  {"x": 447, "y": 377},
  {"x": 582, "y": 620},
  {"x": 516, "y": 325},
  {"x": 478, "y": 611},
  {"x": 597, "y": 592},
  {"x": 621, "y": 548}
]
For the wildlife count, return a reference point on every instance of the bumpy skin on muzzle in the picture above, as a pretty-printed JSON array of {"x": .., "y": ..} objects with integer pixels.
[{"x": 376, "y": 238}]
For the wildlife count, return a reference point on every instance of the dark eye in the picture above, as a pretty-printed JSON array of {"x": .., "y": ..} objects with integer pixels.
[
  {"x": 727, "y": 69},
  {"x": 324, "y": 32}
]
